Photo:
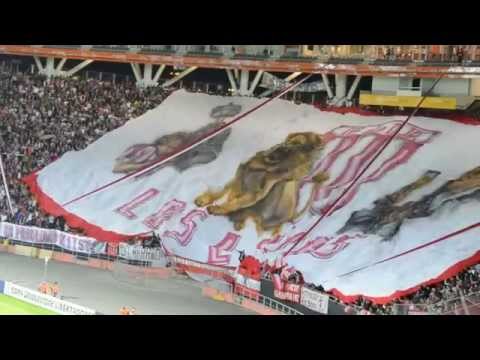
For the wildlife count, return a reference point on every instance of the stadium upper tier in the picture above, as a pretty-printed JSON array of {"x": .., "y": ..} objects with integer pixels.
[{"x": 371, "y": 60}]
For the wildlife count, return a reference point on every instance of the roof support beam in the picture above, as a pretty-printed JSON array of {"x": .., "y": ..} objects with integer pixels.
[
  {"x": 244, "y": 87},
  {"x": 244, "y": 79},
  {"x": 147, "y": 75},
  {"x": 158, "y": 73},
  {"x": 353, "y": 87},
  {"x": 340, "y": 90},
  {"x": 49, "y": 67},
  {"x": 136, "y": 72},
  {"x": 288, "y": 79},
  {"x": 327, "y": 86},
  {"x": 39, "y": 64},
  {"x": 179, "y": 76},
  {"x": 50, "y": 70},
  {"x": 78, "y": 67},
  {"x": 255, "y": 82},
  {"x": 231, "y": 79},
  {"x": 144, "y": 78},
  {"x": 59, "y": 67}
]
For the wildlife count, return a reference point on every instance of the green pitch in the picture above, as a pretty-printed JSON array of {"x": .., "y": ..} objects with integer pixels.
[{"x": 12, "y": 306}]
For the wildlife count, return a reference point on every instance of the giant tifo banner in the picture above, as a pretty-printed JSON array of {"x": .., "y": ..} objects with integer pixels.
[
  {"x": 34, "y": 235},
  {"x": 259, "y": 185}
]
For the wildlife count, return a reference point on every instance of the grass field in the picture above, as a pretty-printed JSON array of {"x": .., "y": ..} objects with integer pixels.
[{"x": 12, "y": 306}]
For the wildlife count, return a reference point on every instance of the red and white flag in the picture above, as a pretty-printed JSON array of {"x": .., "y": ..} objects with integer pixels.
[{"x": 350, "y": 264}]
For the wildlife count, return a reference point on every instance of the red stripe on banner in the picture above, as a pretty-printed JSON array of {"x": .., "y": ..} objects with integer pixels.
[
  {"x": 329, "y": 159},
  {"x": 352, "y": 167},
  {"x": 402, "y": 156},
  {"x": 450, "y": 272},
  {"x": 50, "y": 206},
  {"x": 188, "y": 146}
]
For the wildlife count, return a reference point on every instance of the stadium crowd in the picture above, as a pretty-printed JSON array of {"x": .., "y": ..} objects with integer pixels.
[
  {"x": 42, "y": 119},
  {"x": 440, "y": 298}
]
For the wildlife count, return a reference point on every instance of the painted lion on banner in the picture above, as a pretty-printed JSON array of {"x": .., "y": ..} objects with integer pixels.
[
  {"x": 139, "y": 156},
  {"x": 266, "y": 187}
]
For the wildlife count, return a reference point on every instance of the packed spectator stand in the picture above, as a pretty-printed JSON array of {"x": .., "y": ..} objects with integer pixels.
[{"x": 42, "y": 119}]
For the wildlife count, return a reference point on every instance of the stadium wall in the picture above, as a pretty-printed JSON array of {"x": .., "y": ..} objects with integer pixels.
[
  {"x": 245, "y": 303},
  {"x": 38, "y": 299},
  {"x": 224, "y": 274}
]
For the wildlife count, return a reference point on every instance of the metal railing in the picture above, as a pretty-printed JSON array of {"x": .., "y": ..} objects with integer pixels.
[
  {"x": 241, "y": 293},
  {"x": 260, "y": 52},
  {"x": 106, "y": 76},
  {"x": 333, "y": 302},
  {"x": 59, "y": 249},
  {"x": 459, "y": 305},
  {"x": 468, "y": 304},
  {"x": 462, "y": 305},
  {"x": 140, "y": 277}
]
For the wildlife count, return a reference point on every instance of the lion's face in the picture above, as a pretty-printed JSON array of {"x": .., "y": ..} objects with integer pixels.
[
  {"x": 294, "y": 144},
  {"x": 305, "y": 140}
]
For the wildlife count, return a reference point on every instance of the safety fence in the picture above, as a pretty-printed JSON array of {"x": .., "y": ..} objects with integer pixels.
[
  {"x": 241, "y": 294},
  {"x": 147, "y": 267},
  {"x": 248, "y": 299},
  {"x": 464, "y": 305},
  {"x": 468, "y": 304},
  {"x": 135, "y": 264}
]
